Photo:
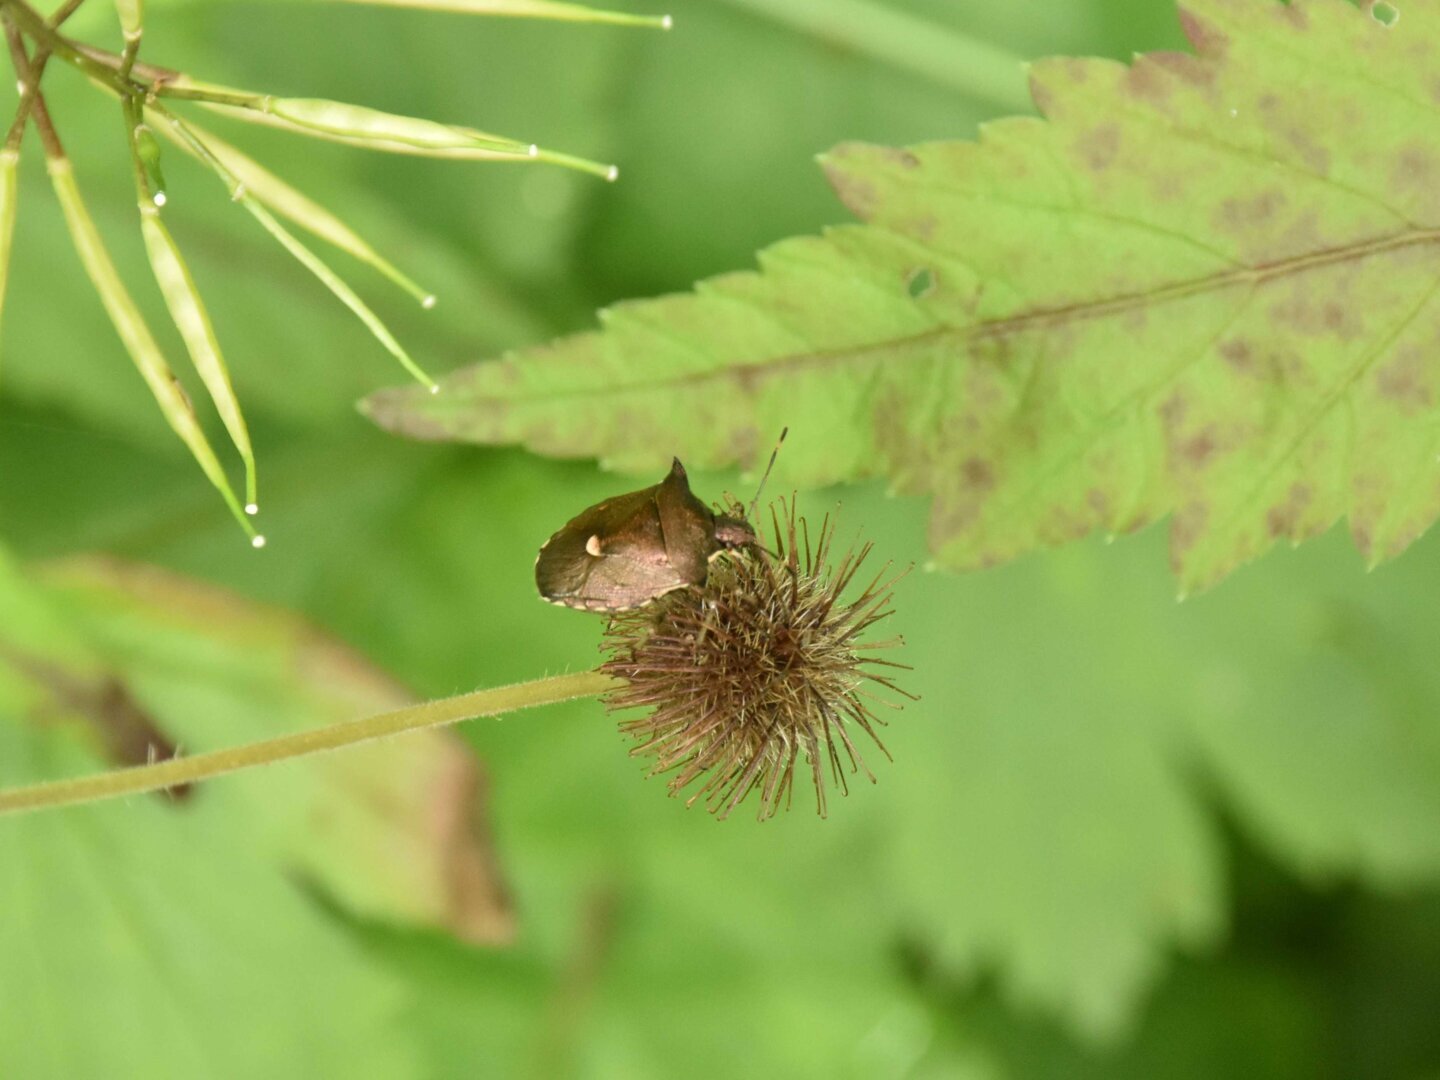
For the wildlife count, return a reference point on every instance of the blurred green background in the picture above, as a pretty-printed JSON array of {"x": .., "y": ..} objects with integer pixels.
[{"x": 1121, "y": 836}]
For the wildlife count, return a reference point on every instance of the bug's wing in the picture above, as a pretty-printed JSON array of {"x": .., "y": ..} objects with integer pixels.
[
  {"x": 609, "y": 558},
  {"x": 618, "y": 583}
]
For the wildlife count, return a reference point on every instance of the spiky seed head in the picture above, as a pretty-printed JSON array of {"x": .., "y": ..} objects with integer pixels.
[{"x": 760, "y": 669}]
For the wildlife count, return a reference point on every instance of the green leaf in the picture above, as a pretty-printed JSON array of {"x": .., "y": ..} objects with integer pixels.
[
  {"x": 1049, "y": 816},
  {"x": 121, "y": 925},
  {"x": 394, "y": 831},
  {"x": 1083, "y": 728},
  {"x": 126, "y": 661},
  {"x": 1200, "y": 287},
  {"x": 931, "y": 50},
  {"x": 157, "y": 942}
]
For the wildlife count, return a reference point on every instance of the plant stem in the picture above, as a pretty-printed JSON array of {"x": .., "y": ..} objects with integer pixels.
[
  {"x": 32, "y": 101},
  {"x": 37, "y": 70},
  {"x": 46, "y": 37},
  {"x": 908, "y": 43},
  {"x": 164, "y": 774},
  {"x": 64, "y": 11}
]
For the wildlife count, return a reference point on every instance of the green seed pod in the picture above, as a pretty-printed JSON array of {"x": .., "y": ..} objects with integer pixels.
[
  {"x": 132, "y": 14},
  {"x": 147, "y": 152}
]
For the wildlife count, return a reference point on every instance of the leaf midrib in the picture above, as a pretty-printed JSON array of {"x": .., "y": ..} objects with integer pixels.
[{"x": 987, "y": 330}]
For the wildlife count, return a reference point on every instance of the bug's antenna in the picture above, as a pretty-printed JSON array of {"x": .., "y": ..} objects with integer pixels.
[{"x": 773, "y": 453}]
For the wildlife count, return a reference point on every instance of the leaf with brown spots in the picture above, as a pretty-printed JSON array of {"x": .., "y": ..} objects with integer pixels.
[
  {"x": 132, "y": 911},
  {"x": 396, "y": 831},
  {"x": 1202, "y": 286},
  {"x": 159, "y": 925}
]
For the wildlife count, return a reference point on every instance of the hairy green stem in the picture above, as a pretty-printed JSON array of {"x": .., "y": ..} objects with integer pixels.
[
  {"x": 908, "y": 43},
  {"x": 188, "y": 770}
]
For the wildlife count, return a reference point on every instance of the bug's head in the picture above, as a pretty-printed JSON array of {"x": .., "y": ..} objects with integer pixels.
[{"x": 734, "y": 532}]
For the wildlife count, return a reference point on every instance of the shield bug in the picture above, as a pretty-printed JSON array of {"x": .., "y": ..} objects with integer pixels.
[{"x": 631, "y": 549}]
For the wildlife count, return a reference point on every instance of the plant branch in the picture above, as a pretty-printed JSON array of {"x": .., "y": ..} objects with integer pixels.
[
  {"x": 64, "y": 11},
  {"x": 48, "y": 39},
  {"x": 32, "y": 101},
  {"x": 164, "y": 774}
]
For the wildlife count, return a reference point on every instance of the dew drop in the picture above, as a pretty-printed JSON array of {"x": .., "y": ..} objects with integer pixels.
[
  {"x": 613, "y": 173},
  {"x": 428, "y": 302},
  {"x": 251, "y": 509},
  {"x": 434, "y": 388},
  {"x": 257, "y": 541},
  {"x": 238, "y": 193},
  {"x": 534, "y": 150},
  {"x": 666, "y": 22},
  {"x": 159, "y": 198}
]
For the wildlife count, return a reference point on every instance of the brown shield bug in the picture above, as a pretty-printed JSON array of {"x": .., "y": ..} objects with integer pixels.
[{"x": 631, "y": 549}]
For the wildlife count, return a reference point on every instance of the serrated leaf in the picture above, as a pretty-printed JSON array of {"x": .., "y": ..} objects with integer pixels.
[{"x": 1200, "y": 287}]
